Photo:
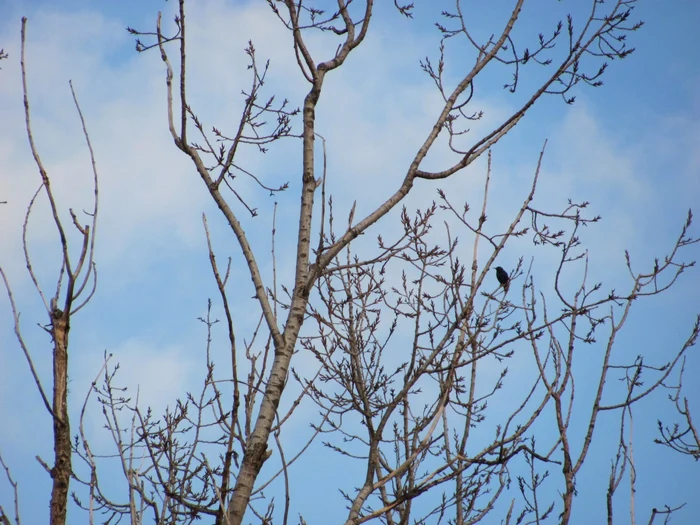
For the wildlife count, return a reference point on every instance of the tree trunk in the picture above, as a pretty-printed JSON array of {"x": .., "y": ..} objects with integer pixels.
[{"x": 61, "y": 470}]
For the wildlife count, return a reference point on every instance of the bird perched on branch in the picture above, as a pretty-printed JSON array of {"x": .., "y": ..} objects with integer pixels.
[{"x": 502, "y": 277}]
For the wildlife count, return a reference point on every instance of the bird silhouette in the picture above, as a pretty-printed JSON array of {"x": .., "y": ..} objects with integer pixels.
[{"x": 502, "y": 277}]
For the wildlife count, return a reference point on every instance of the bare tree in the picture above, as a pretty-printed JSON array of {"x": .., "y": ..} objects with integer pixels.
[
  {"x": 75, "y": 286},
  {"x": 405, "y": 333}
]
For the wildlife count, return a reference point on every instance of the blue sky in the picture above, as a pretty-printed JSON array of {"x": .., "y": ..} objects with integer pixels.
[{"x": 630, "y": 147}]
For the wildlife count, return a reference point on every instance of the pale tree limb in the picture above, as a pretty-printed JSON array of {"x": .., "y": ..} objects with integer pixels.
[{"x": 4, "y": 517}]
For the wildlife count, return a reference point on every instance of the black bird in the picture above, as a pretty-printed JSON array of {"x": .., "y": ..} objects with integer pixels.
[{"x": 502, "y": 277}]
